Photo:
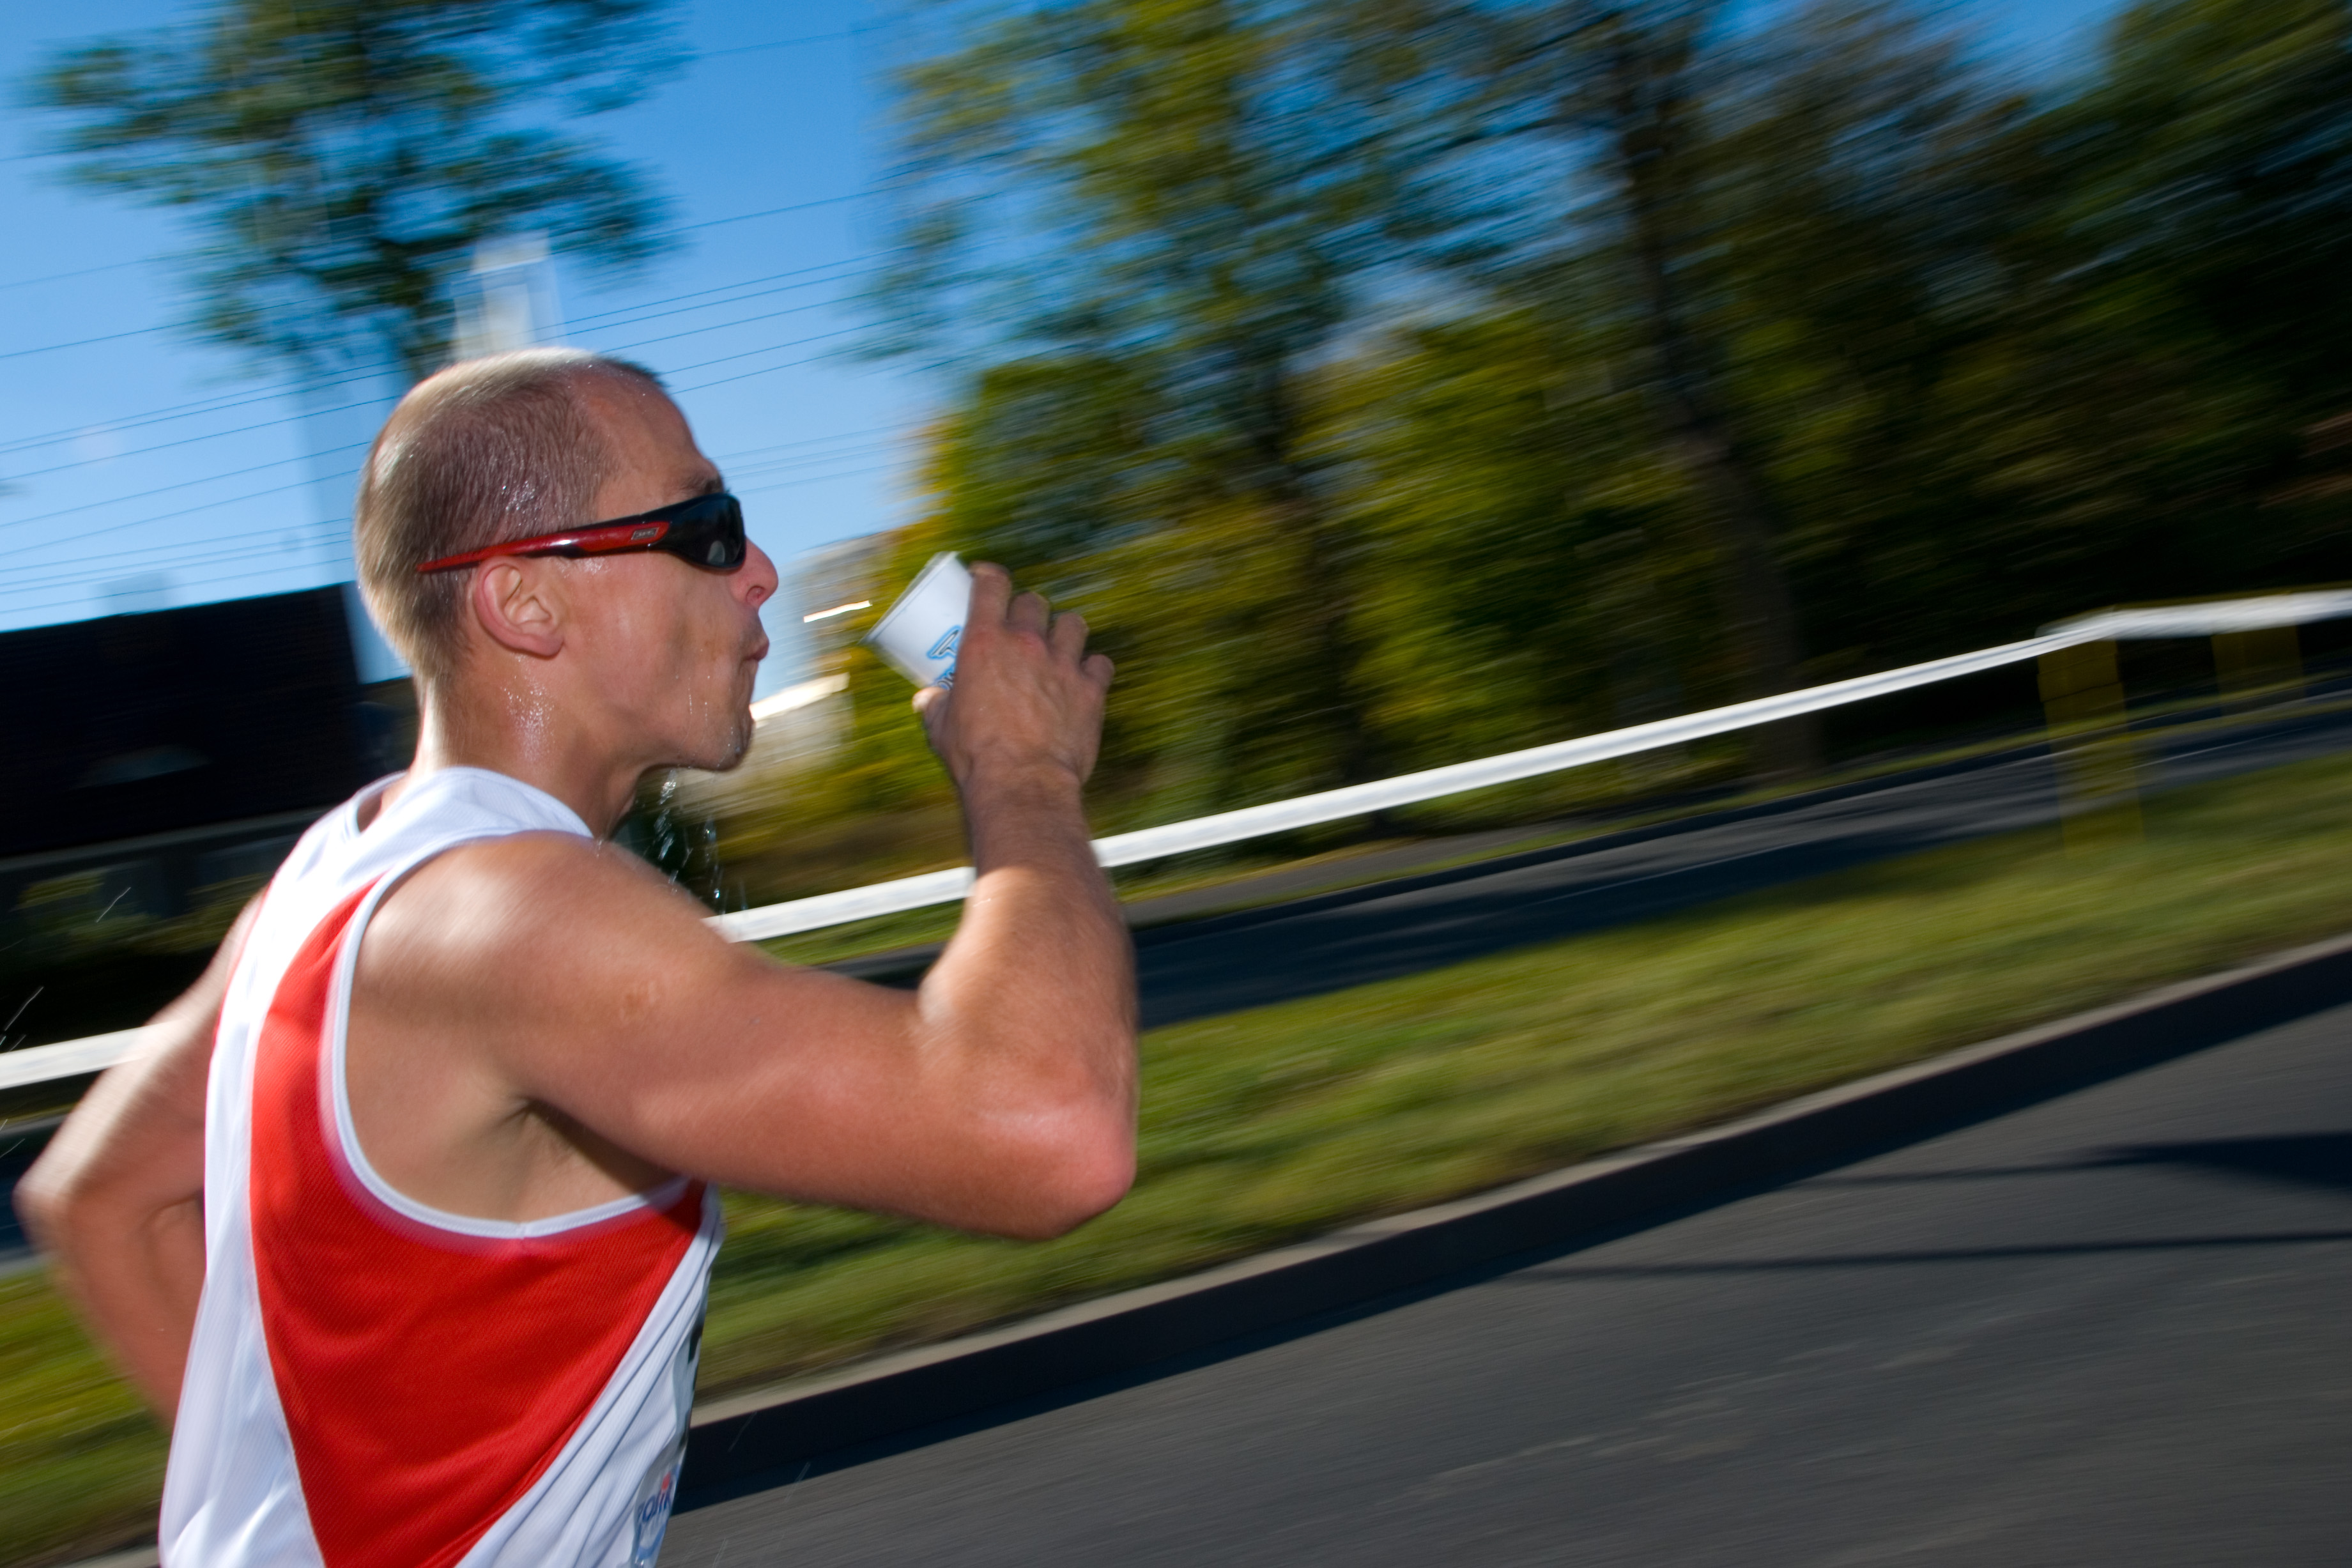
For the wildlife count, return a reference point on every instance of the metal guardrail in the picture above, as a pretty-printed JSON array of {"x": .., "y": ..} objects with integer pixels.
[{"x": 2227, "y": 617}]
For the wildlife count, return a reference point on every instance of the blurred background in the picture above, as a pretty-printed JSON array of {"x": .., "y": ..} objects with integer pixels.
[{"x": 1391, "y": 382}]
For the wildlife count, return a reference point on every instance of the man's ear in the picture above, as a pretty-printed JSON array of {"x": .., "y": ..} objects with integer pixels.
[{"x": 514, "y": 602}]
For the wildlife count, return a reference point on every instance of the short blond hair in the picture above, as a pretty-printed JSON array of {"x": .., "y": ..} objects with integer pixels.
[{"x": 487, "y": 450}]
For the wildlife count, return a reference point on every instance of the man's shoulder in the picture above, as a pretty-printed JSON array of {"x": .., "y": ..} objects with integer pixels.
[{"x": 516, "y": 911}]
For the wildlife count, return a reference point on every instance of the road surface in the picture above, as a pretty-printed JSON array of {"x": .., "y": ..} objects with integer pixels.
[{"x": 2107, "y": 1330}]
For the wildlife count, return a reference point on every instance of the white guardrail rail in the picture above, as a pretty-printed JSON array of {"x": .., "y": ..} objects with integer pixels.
[{"x": 39, "y": 1064}]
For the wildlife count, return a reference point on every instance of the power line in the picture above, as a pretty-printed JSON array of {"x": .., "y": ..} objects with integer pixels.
[
  {"x": 207, "y": 506},
  {"x": 76, "y": 272},
  {"x": 90, "y": 570},
  {"x": 85, "y": 342},
  {"x": 774, "y": 212},
  {"x": 820, "y": 479},
  {"x": 721, "y": 288},
  {"x": 184, "y": 441},
  {"x": 225, "y": 402},
  {"x": 747, "y": 353},
  {"x": 765, "y": 370},
  {"x": 806, "y": 441},
  {"x": 269, "y": 424},
  {"x": 208, "y": 406},
  {"x": 718, "y": 327},
  {"x": 813, "y": 461},
  {"x": 355, "y": 445},
  {"x": 167, "y": 516},
  {"x": 150, "y": 332},
  {"x": 182, "y": 485},
  {"x": 786, "y": 43}
]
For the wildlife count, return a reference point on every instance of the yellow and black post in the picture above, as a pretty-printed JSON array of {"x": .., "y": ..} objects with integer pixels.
[
  {"x": 2256, "y": 666},
  {"x": 2090, "y": 738}
]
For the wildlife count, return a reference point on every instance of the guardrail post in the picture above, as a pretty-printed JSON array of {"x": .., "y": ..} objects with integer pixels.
[
  {"x": 2252, "y": 665},
  {"x": 2090, "y": 737}
]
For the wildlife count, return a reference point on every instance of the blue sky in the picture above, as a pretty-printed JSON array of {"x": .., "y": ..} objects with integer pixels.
[{"x": 144, "y": 469}]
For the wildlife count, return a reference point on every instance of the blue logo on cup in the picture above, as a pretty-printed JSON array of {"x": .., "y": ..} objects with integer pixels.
[{"x": 945, "y": 648}]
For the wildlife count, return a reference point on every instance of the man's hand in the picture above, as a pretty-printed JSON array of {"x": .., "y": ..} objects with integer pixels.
[
  {"x": 1028, "y": 698},
  {"x": 117, "y": 1199}
]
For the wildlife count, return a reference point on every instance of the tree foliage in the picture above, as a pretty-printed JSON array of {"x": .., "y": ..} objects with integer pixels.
[
  {"x": 1402, "y": 380},
  {"x": 341, "y": 158}
]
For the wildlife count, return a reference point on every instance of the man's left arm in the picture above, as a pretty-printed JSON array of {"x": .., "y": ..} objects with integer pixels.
[{"x": 117, "y": 1199}]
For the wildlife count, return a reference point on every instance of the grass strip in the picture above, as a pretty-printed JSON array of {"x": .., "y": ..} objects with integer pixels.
[{"x": 1265, "y": 1126}]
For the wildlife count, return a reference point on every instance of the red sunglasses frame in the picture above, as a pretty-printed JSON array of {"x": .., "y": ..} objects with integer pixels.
[{"x": 645, "y": 531}]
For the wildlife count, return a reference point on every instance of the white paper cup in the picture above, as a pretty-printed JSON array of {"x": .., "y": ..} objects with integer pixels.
[{"x": 917, "y": 635}]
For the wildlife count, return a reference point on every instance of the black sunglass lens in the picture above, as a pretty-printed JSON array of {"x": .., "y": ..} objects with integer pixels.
[{"x": 709, "y": 532}]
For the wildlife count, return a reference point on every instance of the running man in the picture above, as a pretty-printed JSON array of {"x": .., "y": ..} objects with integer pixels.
[{"x": 403, "y": 1213}]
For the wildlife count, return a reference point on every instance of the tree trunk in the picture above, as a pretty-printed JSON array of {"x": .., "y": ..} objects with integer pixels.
[{"x": 1646, "y": 96}]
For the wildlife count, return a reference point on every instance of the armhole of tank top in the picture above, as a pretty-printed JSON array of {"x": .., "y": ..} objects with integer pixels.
[{"x": 345, "y": 1132}]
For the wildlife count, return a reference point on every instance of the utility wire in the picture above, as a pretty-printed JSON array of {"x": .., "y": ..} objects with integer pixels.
[
  {"x": 167, "y": 516},
  {"x": 724, "y": 380},
  {"x": 85, "y": 342},
  {"x": 648, "y": 314},
  {"x": 90, "y": 570},
  {"x": 76, "y": 272},
  {"x": 182, "y": 485},
  {"x": 805, "y": 441},
  {"x": 718, "y": 327},
  {"x": 217, "y": 404},
  {"x": 820, "y": 479},
  {"x": 291, "y": 418},
  {"x": 278, "y": 489},
  {"x": 787, "y": 43},
  {"x": 355, "y": 445}
]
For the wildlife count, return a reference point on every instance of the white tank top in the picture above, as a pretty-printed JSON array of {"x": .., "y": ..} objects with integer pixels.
[{"x": 377, "y": 1384}]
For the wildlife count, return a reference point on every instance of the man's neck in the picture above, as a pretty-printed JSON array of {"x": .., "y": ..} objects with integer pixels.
[{"x": 513, "y": 733}]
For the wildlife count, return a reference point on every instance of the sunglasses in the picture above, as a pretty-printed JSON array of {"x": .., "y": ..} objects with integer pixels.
[{"x": 705, "y": 531}]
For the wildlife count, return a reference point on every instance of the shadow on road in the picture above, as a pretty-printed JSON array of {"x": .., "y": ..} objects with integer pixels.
[{"x": 2304, "y": 1159}]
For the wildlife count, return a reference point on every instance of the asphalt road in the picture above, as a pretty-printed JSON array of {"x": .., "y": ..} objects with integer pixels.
[
  {"x": 1330, "y": 943},
  {"x": 2108, "y": 1329}
]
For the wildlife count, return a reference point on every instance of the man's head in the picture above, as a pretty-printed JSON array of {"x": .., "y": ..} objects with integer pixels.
[{"x": 638, "y": 652}]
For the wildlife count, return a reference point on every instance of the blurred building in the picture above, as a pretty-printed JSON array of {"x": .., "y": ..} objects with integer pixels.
[{"x": 182, "y": 749}]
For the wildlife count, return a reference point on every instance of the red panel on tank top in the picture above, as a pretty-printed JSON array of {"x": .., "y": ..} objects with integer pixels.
[{"x": 428, "y": 1378}]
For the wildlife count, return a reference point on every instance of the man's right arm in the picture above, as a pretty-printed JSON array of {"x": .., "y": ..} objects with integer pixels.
[{"x": 1000, "y": 1097}]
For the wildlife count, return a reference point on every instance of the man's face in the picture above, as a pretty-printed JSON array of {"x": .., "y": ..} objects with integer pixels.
[{"x": 671, "y": 648}]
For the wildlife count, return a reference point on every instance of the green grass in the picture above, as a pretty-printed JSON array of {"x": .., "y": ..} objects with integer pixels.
[
  {"x": 81, "y": 1459},
  {"x": 1269, "y": 1125}
]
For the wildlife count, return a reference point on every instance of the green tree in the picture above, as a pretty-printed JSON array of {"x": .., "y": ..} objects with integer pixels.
[
  {"x": 1156, "y": 212},
  {"x": 341, "y": 158},
  {"x": 1530, "y": 570},
  {"x": 1622, "y": 94}
]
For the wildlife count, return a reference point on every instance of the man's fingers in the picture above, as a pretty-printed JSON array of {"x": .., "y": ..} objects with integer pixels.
[
  {"x": 929, "y": 697},
  {"x": 1070, "y": 635},
  {"x": 1098, "y": 668},
  {"x": 1028, "y": 613},
  {"x": 991, "y": 585}
]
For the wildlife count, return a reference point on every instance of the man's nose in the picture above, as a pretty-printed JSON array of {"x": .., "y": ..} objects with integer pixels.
[{"x": 757, "y": 581}]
